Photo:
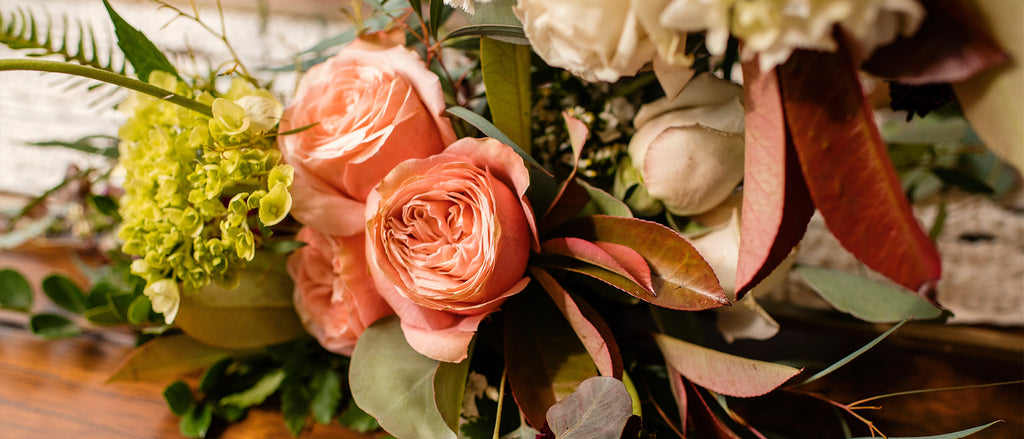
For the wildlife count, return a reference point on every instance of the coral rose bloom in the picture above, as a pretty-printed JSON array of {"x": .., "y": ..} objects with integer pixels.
[
  {"x": 334, "y": 295},
  {"x": 372, "y": 107},
  {"x": 448, "y": 238}
]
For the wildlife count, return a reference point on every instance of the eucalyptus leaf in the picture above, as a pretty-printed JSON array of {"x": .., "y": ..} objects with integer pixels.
[
  {"x": 179, "y": 397},
  {"x": 15, "y": 292},
  {"x": 52, "y": 326},
  {"x": 506, "y": 71},
  {"x": 263, "y": 388},
  {"x": 395, "y": 384},
  {"x": 258, "y": 312},
  {"x": 64, "y": 293},
  {"x": 954, "y": 435},
  {"x": 853, "y": 355},
  {"x": 326, "y": 385},
  {"x": 167, "y": 356},
  {"x": 866, "y": 299},
  {"x": 598, "y": 409},
  {"x": 138, "y": 50}
]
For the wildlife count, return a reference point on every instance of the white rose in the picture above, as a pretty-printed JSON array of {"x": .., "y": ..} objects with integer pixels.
[
  {"x": 689, "y": 150},
  {"x": 604, "y": 40}
]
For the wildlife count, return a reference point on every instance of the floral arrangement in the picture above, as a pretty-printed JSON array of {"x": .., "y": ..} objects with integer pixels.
[{"x": 497, "y": 218}]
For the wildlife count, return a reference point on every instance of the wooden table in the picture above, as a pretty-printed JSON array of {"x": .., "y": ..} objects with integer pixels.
[{"x": 58, "y": 389}]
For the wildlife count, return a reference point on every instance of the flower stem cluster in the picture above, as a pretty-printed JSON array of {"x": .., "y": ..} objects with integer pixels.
[{"x": 200, "y": 192}]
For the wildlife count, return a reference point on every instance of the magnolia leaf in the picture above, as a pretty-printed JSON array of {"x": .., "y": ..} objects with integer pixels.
[
  {"x": 592, "y": 331},
  {"x": 326, "y": 385},
  {"x": 179, "y": 397},
  {"x": 991, "y": 100},
  {"x": 167, "y": 356},
  {"x": 848, "y": 171},
  {"x": 866, "y": 299},
  {"x": 138, "y": 50},
  {"x": 506, "y": 71},
  {"x": 258, "y": 392},
  {"x": 64, "y": 293},
  {"x": 723, "y": 373},
  {"x": 624, "y": 262},
  {"x": 53, "y": 326},
  {"x": 500, "y": 32},
  {"x": 682, "y": 279},
  {"x": 395, "y": 384},
  {"x": 598, "y": 409},
  {"x": 776, "y": 204},
  {"x": 951, "y": 45},
  {"x": 258, "y": 312},
  {"x": 15, "y": 292},
  {"x": 545, "y": 359},
  {"x": 954, "y": 435}
]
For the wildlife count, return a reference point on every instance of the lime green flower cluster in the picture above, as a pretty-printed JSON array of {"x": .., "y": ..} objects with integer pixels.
[{"x": 200, "y": 192}]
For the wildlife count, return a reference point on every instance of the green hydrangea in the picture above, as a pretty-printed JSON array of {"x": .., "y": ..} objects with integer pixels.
[{"x": 200, "y": 192}]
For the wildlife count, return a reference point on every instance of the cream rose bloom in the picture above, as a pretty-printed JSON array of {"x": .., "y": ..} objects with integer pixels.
[
  {"x": 448, "y": 238},
  {"x": 689, "y": 150},
  {"x": 772, "y": 29},
  {"x": 604, "y": 40}
]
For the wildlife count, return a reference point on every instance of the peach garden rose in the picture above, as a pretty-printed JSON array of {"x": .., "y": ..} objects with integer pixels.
[
  {"x": 370, "y": 106},
  {"x": 448, "y": 238},
  {"x": 333, "y": 295}
]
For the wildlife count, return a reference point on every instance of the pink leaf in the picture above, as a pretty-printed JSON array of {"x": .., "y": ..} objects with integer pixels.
[
  {"x": 723, "y": 373},
  {"x": 616, "y": 258},
  {"x": 776, "y": 204},
  {"x": 592, "y": 331},
  {"x": 847, "y": 169},
  {"x": 705, "y": 419}
]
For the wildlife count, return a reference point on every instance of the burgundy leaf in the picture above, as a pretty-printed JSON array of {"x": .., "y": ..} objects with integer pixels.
[
  {"x": 619, "y": 259},
  {"x": 951, "y": 45},
  {"x": 776, "y": 204},
  {"x": 705, "y": 420},
  {"x": 723, "y": 373},
  {"x": 545, "y": 360},
  {"x": 591, "y": 329},
  {"x": 847, "y": 169},
  {"x": 682, "y": 279},
  {"x": 599, "y": 409},
  {"x": 678, "y": 386}
]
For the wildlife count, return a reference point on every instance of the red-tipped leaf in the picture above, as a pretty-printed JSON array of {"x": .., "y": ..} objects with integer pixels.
[
  {"x": 847, "y": 169},
  {"x": 723, "y": 373},
  {"x": 619, "y": 259},
  {"x": 776, "y": 204}
]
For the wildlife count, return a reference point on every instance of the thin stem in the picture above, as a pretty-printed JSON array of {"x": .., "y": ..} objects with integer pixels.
[
  {"x": 108, "y": 77},
  {"x": 501, "y": 399},
  {"x": 940, "y": 389}
]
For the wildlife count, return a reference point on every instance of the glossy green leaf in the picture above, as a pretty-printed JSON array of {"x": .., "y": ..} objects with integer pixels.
[
  {"x": 212, "y": 375},
  {"x": 355, "y": 419},
  {"x": 723, "y": 373},
  {"x": 179, "y": 397},
  {"x": 506, "y": 72},
  {"x": 15, "y": 292},
  {"x": 53, "y": 326},
  {"x": 167, "y": 356},
  {"x": 853, "y": 355},
  {"x": 64, "y": 293},
  {"x": 866, "y": 299},
  {"x": 437, "y": 16},
  {"x": 545, "y": 359},
  {"x": 257, "y": 313},
  {"x": 196, "y": 422},
  {"x": 326, "y": 385},
  {"x": 138, "y": 50},
  {"x": 682, "y": 279},
  {"x": 500, "y": 32},
  {"x": 598, "y": 409},
  {"x": 954, "y": 435},
  {"x": 395, "y": 384},
  {"x": 139, "y": 310},
  {"x": 264, "y": 387}
]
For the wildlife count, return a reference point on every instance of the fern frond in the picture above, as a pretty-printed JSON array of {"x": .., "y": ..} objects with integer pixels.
[{"x": 75, "y": 41}]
